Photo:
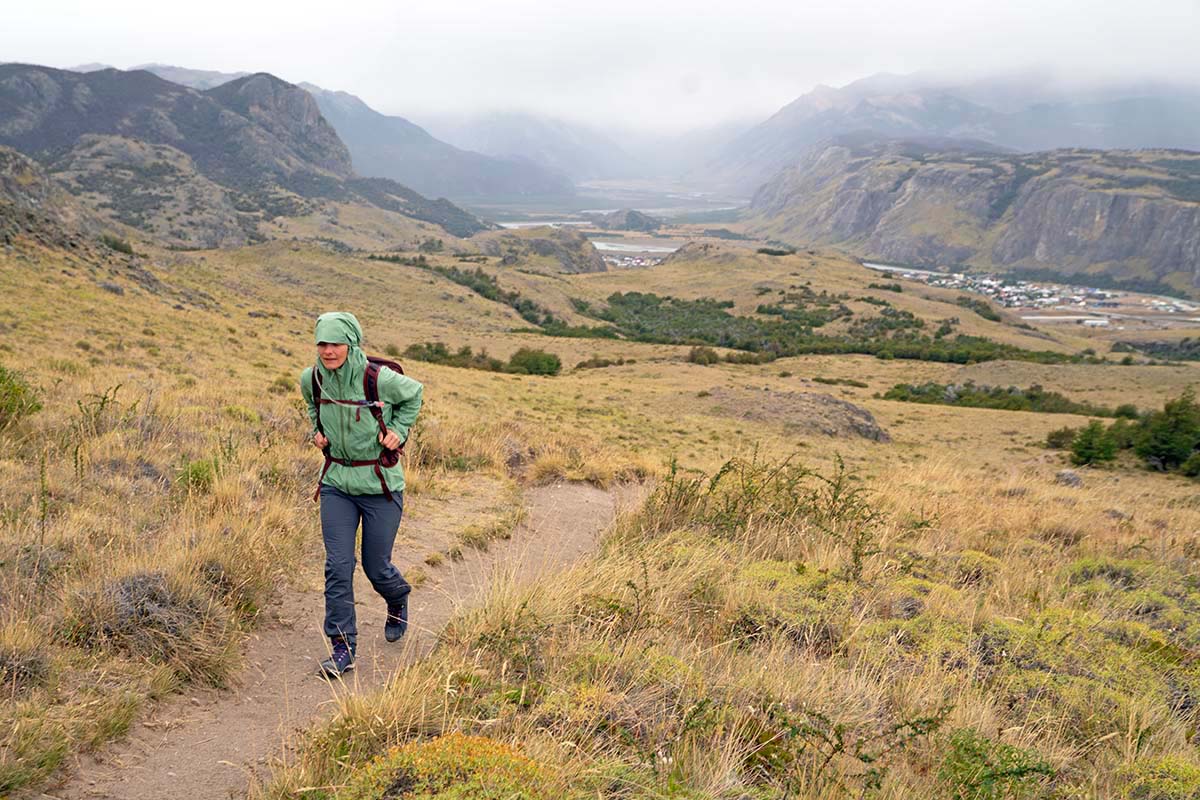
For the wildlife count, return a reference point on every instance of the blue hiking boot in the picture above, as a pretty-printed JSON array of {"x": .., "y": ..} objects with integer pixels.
[
  {"x": 397, "y": 620},
  {"x": 340, "y": 661}
]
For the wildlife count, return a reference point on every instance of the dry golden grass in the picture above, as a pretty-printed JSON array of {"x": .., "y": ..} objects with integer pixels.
[{"x": 667, "y": 662}]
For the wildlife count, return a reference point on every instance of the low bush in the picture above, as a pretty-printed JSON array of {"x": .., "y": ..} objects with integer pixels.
[
  {"x": 529, "y": 361},
  {"x": 980, "y": 306},
  {"x": 596, "y": 362},
  {"x": 978, "y": 768},
  {"x": 452, "y": 767},
  {"x": 1010, "y": 398},
  {"x": 464, "y": 357},
  {"x": 116, "y": 243},
  {"x": 165, "y": 618},
  {"x": 17, "y": 398},
  {"x": 1060, "y": 438},
  {"x": 1092, "y": 445}
]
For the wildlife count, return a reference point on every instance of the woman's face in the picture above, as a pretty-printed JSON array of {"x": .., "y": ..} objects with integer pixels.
[{"x": 332, "y": 355}]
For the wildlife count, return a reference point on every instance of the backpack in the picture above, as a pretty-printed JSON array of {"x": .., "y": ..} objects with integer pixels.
[{"x": 387, "y": 458}]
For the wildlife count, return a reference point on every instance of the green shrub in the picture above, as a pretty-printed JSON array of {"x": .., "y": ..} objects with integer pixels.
[
  {"x": 116, "y": 243},
  {"x": 598, "y": 362},
  {"x": 464, "y": 357},
  {"x": 1061, "y": 438},
  {"x": 1092, "y": 445},
  {"x": 1166, "y": 778},
  {"x": 977, "y": 768},
  {"x": 528, "y": 361},
  {"x": 199, "y": 475},
  {"x": 17, "y": 399},
  {"x": 1010, "y": 398},
  {"x": 1126, "y": 411},
  {"x": 703, "y": 355},
  {"x": 1191, "y": 467},
  {"x": 1171, "y": 435},
  {"x": 981, "y": 307},
  {"x": 452, "y": 767}
]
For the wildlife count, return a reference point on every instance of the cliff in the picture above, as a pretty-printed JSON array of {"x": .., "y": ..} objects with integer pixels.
[{"x": 1129, "y": 214}]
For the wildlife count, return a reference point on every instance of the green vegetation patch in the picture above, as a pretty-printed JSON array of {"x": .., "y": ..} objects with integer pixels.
[
  {"x": 1163, "y": 778},
  {"x": 981, "y": 307},
  {"x": 648, "y": 317},
  {"x": 1010, "y": 398},
  {"x": 1185, "y": 349},
  {"x": 979, "y": 768},
  {"x": 17, "y": 398},
  {"x": 452, "y": 767},
  {"x": 526, "y": 361},
  {"x": 1166, "y": 440}
]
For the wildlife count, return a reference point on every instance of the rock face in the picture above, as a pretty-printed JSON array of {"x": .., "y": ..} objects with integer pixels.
[
  {"x": 567, "y": 250},
  {"x": 32, "y": 205},
  {"x": 1132, "y": 215},
  {"x": 626, "y": 219},
  {"x": 199, "y": 168}
]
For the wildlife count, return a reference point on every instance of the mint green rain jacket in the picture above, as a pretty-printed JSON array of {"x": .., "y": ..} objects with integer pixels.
[{"x": 352, "y": 431}]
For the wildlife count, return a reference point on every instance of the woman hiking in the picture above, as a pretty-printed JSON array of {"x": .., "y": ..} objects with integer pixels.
[{"x": 362, "y": 479}]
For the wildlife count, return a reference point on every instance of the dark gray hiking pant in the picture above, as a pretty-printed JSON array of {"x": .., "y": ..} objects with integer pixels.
[{"x": 340, "y": 515}]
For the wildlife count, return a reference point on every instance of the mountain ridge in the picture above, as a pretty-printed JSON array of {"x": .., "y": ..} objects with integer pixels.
[
  {"x": 1129, "y": 214},
  {"x": 1016, "y": 112},
  {"x": 198, "y": 168}
]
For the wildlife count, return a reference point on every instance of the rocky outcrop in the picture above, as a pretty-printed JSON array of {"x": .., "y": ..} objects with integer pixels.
[
  {"x": 626, "y": 219},
  {"x": 565, "y": 249},
  {"x": 1132, "y": 215},
  {"x": 800, "y": 412},
  {"x": 35, "y": 208}
]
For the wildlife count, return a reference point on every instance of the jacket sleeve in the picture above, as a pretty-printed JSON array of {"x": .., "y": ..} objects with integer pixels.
[
  {"x": 306, "y": 393},
  {"x": 403, "y": 396}
]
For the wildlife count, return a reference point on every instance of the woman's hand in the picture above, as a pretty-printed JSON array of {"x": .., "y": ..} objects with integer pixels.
[
  {"x": 391, "y": 441},
  {"x": 319, "y": 441}
]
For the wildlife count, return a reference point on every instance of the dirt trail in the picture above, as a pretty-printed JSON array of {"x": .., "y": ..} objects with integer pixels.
[{"x": 204, "y": 745}]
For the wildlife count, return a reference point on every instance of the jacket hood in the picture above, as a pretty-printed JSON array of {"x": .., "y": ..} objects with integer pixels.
[
  {"x": 339, "y": 327},
  {"x": 342, "y": 327}
]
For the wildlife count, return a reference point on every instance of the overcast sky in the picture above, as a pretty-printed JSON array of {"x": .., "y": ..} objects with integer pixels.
[{"x": 669, "y": 64}]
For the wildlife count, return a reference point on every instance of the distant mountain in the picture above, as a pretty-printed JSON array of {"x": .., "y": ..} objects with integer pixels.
[
  {"x": 90, "y": 67},
  {"x": 195, "y": 78},
  {"x": 197, "y": 168},
  {"x": 675, "y": 155},
  {"x": 1020, "y": 112},
  {"x": 383, "y": 146},
  {"x": 392, "y": 147},
  {"x": 1131, "y": 215},
  {"x": 576, "y": 151}
]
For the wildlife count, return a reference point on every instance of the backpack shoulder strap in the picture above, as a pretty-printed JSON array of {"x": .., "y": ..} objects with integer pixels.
[
  {"x": 315, "y": 389},
  {"x": 371, "y": 392}
]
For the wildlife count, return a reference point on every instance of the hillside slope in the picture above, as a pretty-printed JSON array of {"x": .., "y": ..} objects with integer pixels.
[
  {"x": 1126, "y": 214},
  {"x": 195, "y": 168}
]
